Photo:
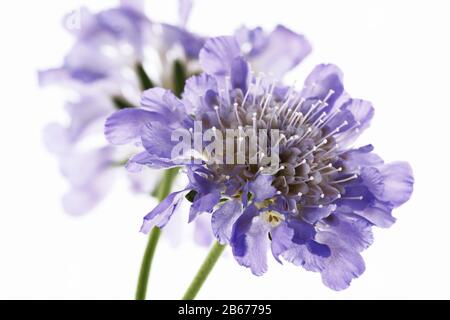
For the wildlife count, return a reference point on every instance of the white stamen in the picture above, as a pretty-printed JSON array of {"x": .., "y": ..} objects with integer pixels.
[
  {"x": 235, "y": 105},
  {"x": 254, "y": 123},
  {"x": 332, "y": 171},
  {"x": 353, "y": 198},
  {"x": 300, "y": 103},
  {"x": 311, "y": 109},
  {"x": 227, "y": 89},
  {"x": 330, "y": 93},
  {"x": 268, "y": 98},
  {"x": 319, "y": 119},
  {"x": 282, "y": 137},
  {"x": 315, "y": 148},
  {"x": 337, "y": 129},
  {"x": 247, "y": 93},
  {"x": 289, "y": 97},
  {"x": 330, "y": 117},
  {"x": 346, "y": 179},
  {"x": 301, "y": 163},
  {"x": 216, "y": 108}
]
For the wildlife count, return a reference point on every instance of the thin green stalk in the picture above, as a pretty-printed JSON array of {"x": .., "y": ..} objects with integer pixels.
[
  {"x": 204, "y": 271},
  {"x": 144, "y": 80},
  {"x": 162, "y": 191},
  {"x": 180, "y": 75}
]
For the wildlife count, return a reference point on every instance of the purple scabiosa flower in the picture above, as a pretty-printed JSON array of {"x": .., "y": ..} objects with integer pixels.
[{"x": 311, "y": 198}]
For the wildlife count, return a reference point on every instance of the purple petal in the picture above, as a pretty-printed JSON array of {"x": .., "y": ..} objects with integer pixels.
[
  {"x": 338, "y": 122},
  {"x": 312, "y": 215},
  {"x": 342, "y": 266},
  {"x": 136, "y": 163},
  {"x": 162, "y": 101},
  {"x": 398, "y": 182},
  {"x": 90, "y": 177},
  {"x": 202, "y": 230},
  {"x": 373, "y": 180},
  {"x": 82, "y": 168},
  {"x": 82, "y": 200},
  {"x": 195, "y": 88},
  {"x": 126, "y": 126},
  {"x": 50, "y": 76},
  {"x": 137, "y": 5},
  {"x": 174, "y": 37},
  {"x": 87, "y": 76},
  {"x": 218, "y": 54},
  {"x": 85, "y": 114},
  {"x": 362, "y": 157},
  {"x": 201, "y": 180},
  {"x": 321, "y": 80},
  {"x": 78, "y": 201},
  {"x": 184, "y": 10},
  {"x": 282, "y": 51},
  {"x": 87, "y": 111},
  {"x": 318, "y": 249},
  {"x": 161, "y": 214},
  {"x": 357, "y": 197},
  {"x": 239, "y": 73},
  {"x": 299, "y": 255},
  {"x": 239, "y": 230},
  {"x": 123, "y": 24},
  {"x": 223, "y": 219},
  {"x": 157, "y": 141},
  {"x": 354, "y": 231},
  {"x": 302, "y": 231},
  {"x": 153, "y": 100},
  {"x": 362, "y": 112},
  {"x": 281, "y": 240},
  {"x": 262, "y": 188},
  {"x": 56, "y": 138},
  {"x": 256, "y": 242},
  {"x": 379, "y": 214},
  {"x": 204, "y": 203}
]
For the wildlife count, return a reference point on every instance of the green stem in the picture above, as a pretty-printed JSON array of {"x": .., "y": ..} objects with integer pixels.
[
  {"x": 179, "y": 77},
  {"x": 144, "y": 80},
  {"x": 204, "y": 271},
  {"x": 161, "y": 193},
  {"x": 141, "y": 289}
]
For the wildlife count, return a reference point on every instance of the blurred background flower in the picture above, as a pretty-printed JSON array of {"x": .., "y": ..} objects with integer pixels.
[{"x": 106, "y": 69}]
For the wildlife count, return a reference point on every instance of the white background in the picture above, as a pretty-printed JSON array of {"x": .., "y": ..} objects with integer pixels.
[{"x": 394, "y": 53}]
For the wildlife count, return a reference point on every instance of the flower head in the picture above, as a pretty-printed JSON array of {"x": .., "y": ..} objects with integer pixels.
[{"x": 310, "y": 198}]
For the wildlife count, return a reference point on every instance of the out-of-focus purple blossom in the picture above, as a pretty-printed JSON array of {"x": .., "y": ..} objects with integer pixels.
[
  {"x": 106, "y": 69},
  {"x": 113, "y": 45},
  {"x": 316, "y": 206}
]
